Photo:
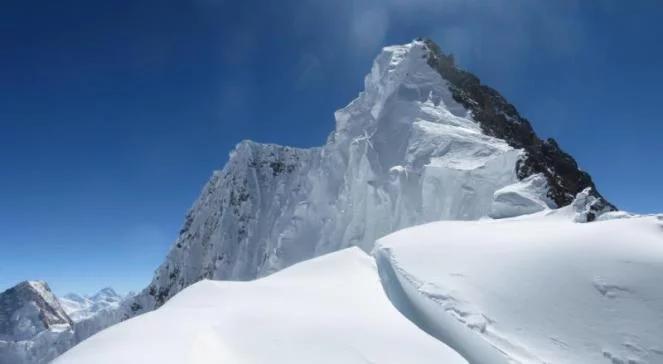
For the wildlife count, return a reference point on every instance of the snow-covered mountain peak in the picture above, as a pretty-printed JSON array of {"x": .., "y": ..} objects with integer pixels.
[
  {"x": 80, "y": 308},
  {"x": 400, "y": 76},
  {"x": 424, "y": 141},
  {"x": 29, "y": 308},
  {"x": 34, "y": 327},
  {"x": 106, "y": 294}
]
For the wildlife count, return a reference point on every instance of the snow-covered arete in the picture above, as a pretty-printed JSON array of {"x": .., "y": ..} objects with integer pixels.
[{"x": 328, "y": 310}]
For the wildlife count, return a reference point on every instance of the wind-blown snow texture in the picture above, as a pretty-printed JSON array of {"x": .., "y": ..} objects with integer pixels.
[
  {"x": 404, "y": 152},
  {"x": 331, "y": 309},
  {"x": 534, "y": 289}
]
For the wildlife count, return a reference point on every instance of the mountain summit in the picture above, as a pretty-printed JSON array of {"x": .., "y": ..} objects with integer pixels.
[{"x": 424, "y": 141}]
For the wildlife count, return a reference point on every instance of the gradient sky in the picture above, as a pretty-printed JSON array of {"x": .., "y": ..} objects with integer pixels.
[{"x": 113, "y": 114}]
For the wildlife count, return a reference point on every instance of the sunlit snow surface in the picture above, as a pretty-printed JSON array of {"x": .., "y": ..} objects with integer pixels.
[
  {"x": 535, "y": 289},
  {"x": 328, "y": 310}
]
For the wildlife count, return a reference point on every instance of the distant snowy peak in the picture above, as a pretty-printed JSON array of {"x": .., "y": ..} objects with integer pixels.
[
  {"x": 106, "y": 294},
  {"x": 34, "y": 328},
  {"x": 83, "y": 307},
  {"x": 29, "y": 308}
]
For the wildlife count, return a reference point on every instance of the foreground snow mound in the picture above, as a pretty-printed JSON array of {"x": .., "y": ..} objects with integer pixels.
[
  {"x": 536, "y": 289},
  {"x": 328, "y": 310}
]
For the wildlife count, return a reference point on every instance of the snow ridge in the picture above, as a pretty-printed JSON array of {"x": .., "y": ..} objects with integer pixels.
[{"x": 541, "y": 288}]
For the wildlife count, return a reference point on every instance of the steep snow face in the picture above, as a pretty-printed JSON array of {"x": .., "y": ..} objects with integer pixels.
[
  {"x": 403, "y": 153},
  {"x": 33, "y": 326},
  {"x": 533, "y": 289},
  {"x": 328, "y": 310}
]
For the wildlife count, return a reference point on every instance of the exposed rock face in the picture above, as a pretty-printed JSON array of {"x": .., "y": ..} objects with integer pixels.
[
  {"x": 500, "y": 119},
  {"x": 33, "y": 326}
]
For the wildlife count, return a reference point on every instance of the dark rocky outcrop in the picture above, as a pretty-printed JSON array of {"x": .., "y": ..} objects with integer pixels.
[{"x": 500, "y": 119}]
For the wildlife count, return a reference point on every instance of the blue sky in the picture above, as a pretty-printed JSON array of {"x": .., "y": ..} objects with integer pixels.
[{"x": 114, "y": 114}]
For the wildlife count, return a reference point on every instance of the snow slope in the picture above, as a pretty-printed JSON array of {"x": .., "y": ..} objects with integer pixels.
[
  {"x": 331, "y": 309},
  {"x": 534, "y": 289}
]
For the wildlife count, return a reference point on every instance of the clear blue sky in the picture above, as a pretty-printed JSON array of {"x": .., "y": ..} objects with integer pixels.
[{"x": 113, "y": 114}]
